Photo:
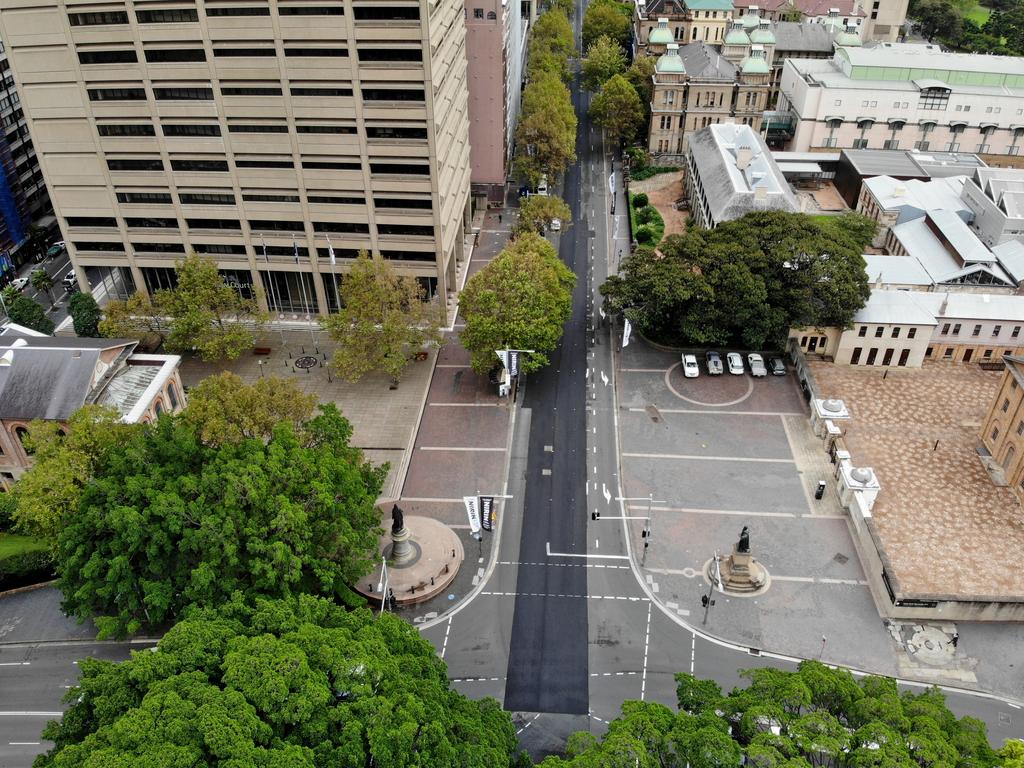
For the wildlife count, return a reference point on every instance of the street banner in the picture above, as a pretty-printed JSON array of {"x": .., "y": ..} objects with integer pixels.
[
  {"x": 487, "y": 512},
  {"x": 472, "y": 512},
  {"x": 513, "y": 362},
  {"x": 627, "y": 329},
  {"x": 503, "y": 356}
]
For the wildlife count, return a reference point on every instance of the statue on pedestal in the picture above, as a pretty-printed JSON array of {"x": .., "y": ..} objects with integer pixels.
[
  {"x": 398, "y": 519},
  {"x": 743, "y": 545}
]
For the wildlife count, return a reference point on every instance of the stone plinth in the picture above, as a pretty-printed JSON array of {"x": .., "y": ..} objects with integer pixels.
[
  {"x": 422, "y": 560},
  {"x": 741, "y": 574}
]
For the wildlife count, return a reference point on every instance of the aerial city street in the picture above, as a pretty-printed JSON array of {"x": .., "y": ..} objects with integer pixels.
[{"x": 558, "y": 382}]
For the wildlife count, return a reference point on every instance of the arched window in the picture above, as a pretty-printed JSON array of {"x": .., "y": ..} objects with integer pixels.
[
  {"x": 492, "y": 15},
  {"x": 172, "y": 395},
  {"x": 158, "y": 408},
  {"x": 21, "y": 433}
]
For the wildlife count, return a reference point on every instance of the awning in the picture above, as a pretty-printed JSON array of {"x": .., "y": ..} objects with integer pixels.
[
  {"x": 953, "y": 123},
  {"x": 862, "y": 120},
  {"x": 834, "y": 118},
  {"x": 983, "y": 126},
  {"x": 927, "y": 83},
  {"x": 894, "y": 120}
]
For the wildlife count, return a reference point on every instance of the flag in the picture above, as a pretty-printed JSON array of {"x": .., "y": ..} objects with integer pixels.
[
  {"x": 472, "y": 513},
  {"x": 503, "y": 356},
  {"x": 295, "y": 248},
  {"x": 330, "y": 250},
  {"x": 265, "y": 257},
  {"x": 513, "y": 362},
  {"x": 487, "y": 512},
  {"x": 627, "y": 329}
]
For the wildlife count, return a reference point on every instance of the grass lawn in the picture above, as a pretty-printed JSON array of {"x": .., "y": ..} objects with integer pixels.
[
  {"x": 11, "y": 544},
  {"x": 978, "y": 14}
]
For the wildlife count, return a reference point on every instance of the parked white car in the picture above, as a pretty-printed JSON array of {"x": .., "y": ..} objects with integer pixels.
[
  {"x": 756, "y": 363},
  {"x": 556, "y": 225},
  {"x": 19, "y": 283},
  {"x": 690, "y": 369},
  {"x": 734, "y": 360}
]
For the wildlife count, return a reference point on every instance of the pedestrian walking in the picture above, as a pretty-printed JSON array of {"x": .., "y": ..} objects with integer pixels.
[
  {"x": 499, "y": 218},
  {"x": 955, "y": 639}
]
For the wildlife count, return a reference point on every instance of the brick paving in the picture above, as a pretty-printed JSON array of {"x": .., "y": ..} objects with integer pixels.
[{"x": 944, "y": 526}]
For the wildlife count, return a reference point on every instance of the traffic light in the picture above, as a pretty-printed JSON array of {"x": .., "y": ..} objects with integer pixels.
[
  {"x": 645, "y": 534},
  {"x": 595, "y": 515},
  {"x": 703, "y": 601}
]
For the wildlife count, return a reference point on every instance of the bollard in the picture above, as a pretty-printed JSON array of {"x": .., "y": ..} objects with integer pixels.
[
  {"x": 431, "y": 581},
  {"x": 303, "y": 349},
  {"x": 453, "y": 553},
  {"x": 446, "y": 567}
]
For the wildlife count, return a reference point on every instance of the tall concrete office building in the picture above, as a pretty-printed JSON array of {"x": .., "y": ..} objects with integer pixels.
[{"x": 261, "y": 132}]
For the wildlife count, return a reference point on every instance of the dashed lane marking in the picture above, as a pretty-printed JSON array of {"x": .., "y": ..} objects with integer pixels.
[
  {"x": 528, "y": 724},
  {"x": 612, "y": 674},
  {"x": 476, "y": 679},
  {"x": 448, "y": 629},
  {"x": 568, "y": 565},
  {"x": 545, "y": 594},
  {"x": 647, "y": 643},
  {"x": 467, "y": 405}
]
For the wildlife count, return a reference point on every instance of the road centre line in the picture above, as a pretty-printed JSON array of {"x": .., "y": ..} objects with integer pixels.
[
  {"x": 549, "y": 553},
  {"x": 14, "y": 663},
  {"x": 643, "y": 370},
  {"x": 528, "y": 724},
  {"x": 567, "y": 565},
  {"x": 444, "y": 646},
  {"x": 460, "y": 448},
  {"x": 693, "y": 457},
  {"x": 700, "y": 511},
  {"x": 647, "y": 643},
  {"x": 587, "y": 597},
  {"x": 467, "y": 405},
  {"x": 719, "y": 413}
]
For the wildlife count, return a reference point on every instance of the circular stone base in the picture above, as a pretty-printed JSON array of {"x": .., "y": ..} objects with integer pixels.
[
  {"x": 758, "y": 572},
  {"x": 440, "y": 555},
  {"x": 414, "y": 556}
]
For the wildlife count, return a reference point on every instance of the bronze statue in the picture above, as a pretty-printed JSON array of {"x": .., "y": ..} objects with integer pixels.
[
  {"x": 397, "y": 519},
  {"x": 744, "y": 542}
]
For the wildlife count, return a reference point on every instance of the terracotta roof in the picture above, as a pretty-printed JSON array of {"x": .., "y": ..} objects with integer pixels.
[{"x": 846, "y": 8}]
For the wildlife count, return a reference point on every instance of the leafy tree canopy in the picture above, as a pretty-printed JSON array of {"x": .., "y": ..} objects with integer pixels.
[
  {"x": 546, "y": 133},
  {"x": 167, "y": 521},
  {"x": 639, "y": 75},
  {"x": 815, "y": 716},
  {"x": 538, "y": 211},
  {"x": 42, "y": 282},
  {"x": 298, "y": 683},
  {"x": 134, "y": 317},
  {"x": 608, "y": 18},
  {"x": 85, "y": 314},
  {"x": 28, "y": 313},
  {"x": 617, "y": 109},
  {"x": 521, "y": 300},
  {"x": 936, "y": 17},
  {"x": 225, "y": 410},
  {"x": 64, "y": 461},
  {"x": 551, "y": 45},
  {"x": 605, "y": 59},
  {"x": 748, "y": 281},
  {"x": 385, "y": 319}
]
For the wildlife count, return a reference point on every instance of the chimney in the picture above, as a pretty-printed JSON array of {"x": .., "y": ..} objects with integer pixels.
[{"x": 743, "y": 157}]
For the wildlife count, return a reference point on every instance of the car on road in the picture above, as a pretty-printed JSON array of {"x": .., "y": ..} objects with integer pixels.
[
  {"x": 556, "y": 225},
  {"x": 56, "y": 249},
  {"x": 735, "y": 362},
  {"x": 19, "y": 283},
  {"x": 690, "y": 369},
  {"x": 714, "y": 363},
  {"x": 776, "y": 367},
  {"x": 70, "y": 281},
  {"x": 756, "y": 363}
]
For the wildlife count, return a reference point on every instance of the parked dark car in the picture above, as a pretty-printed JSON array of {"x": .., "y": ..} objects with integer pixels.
[{"x": 776, "y": 367}]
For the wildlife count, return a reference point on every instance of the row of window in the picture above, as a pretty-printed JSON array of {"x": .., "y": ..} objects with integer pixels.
[
  {"x": 191, "y": 55},
  {"x": 228, "y": 198},
  {"x": 206, "y": 94},
  {"x": 221, "y": 166},
  {"x": 863, "y": 331},
  {"x": 996, "y": 330},
  {"x": 213, "y": 129},
  {"x": 189, "y": 15},
  {"x": 259, "y": 225}
]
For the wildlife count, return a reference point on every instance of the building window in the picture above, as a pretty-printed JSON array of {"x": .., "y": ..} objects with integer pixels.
[
  {"x": 896, "y": 332},
  {"x": 239, "y": 53},
  {"x": 879, "y": 331},
  {"x": 191, "y": 130},
  {"x": 126, "y": 130},
  {"x": 144, "y": 198},
  {"x": 855, "y": 357},
  {"x": 183, "y": 94},
  {"x": 911, "y": 333},
  {"x": 258, "y": 128},
  {"x": 151, "y": 223},
  {"x": 316, "y": 52},
  {"x": 948, "y": 354},
  {"x": 310, "y": 10},
  {"x": 167, "y": 16},
  {"x": 174, "y": 55},
  {"x": 199, "y": 165},
  {"x": 107, "y": 57},
  {"x": 934, "y": 98},
  {"x": 155, "y": 164},
  {"x": 977, "y": 331},
  {"x": 97, "y": 18},
  {"x": 996, "y": 329},
  {"x": 206, "y": 198},
  {"x": 1006, "y": 405},
  {"x": 117, "y": 94},
  {"x": 1016, "y": 332},
  {"x": 250, "y": 11},
  {"x": 988, "y": 354},
  {"x": 172, "y": 395},
  {"x": 860, "y": 143},
  {"x": 956, "y": 329},
  {"x": 995, "y": 432},
  {"x": 244, "y": 91},
  {"x": 862, "y": 331},
  {"x": 386, "y": 13},
  {"x": 478, "y": 13}
]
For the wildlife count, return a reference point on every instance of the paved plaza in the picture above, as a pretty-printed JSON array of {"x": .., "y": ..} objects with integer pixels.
[{"x": 942, "y": 522}]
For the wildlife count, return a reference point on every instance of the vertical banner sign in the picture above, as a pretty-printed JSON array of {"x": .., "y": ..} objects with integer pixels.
[
  {"x": 513, "y": 362},
  {"x": 627, "y": 329},
  {"x": 472, "y": 512},
  {"x": 487, "y": 512},
  {"x": 503, "y": 356}
]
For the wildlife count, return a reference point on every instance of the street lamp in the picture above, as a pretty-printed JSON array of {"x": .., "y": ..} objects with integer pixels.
[
  {"x": 383, "y": 585},
  {"x": 706, "y": 600}
]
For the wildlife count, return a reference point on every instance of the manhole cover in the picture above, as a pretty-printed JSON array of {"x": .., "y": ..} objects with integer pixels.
[
  {"x": 306, "y": 361},
  {"x": 841, "y": 558}
]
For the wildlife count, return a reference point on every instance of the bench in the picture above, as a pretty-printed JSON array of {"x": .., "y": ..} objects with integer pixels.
[{"x": 262, "y": 350}]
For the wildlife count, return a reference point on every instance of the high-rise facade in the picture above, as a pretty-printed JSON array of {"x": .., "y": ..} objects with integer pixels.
[{"x": 264, "y": 133}]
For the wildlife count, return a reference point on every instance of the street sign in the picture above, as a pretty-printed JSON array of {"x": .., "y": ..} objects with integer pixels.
[{"x": 487, "y": 512}]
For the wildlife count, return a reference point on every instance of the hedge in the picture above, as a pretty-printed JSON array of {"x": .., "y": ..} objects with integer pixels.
[
  {"x": 22, "y": 557},
  {"x": 652, "y": 170}
]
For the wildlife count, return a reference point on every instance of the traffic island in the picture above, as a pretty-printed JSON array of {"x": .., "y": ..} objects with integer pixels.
[
  {"x": 740, "y": 573},
  {"x": 419, "y": 559}
]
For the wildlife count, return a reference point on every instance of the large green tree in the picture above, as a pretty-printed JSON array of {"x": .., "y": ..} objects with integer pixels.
[
  {"x": 551, "y": 45},
  {"x": 225, "y": 410},
  {"x": 607, "y": 18},
  {"x": 209, "y": 315},
  {"x": 384, "y": 320},
  {"x": 639, "y": 75},
  {"x": 64, "y": 460},
  {"x": 936, "y": 17},
  {"x": 815, "y": 717},
  {"x": 43, "y": 283},
  {"x": 299, "y": 683},
  {"x": 85, "y": 314},
  {"x": 520, "y": 300},
  {"x": 538, "y": 211},
  {"x": 167, "y": 522},
  {"x": 546, "y": 134},
  {"x": 28, "y": 313},
  {"x": 748, "y": 281},
  {"x": 617, "y": 109},
  {"x": 136, "y": 317},
  {"x": 605, "y": 59}
]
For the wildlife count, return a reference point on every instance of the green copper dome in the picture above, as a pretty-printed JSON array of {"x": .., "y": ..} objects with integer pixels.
[
  {"x": 660, "y": 36},
  {"x": 848, "y": 40},
  {"x": 737, "y": 37},
  {"x": 750, "y": 21},
  {"x": 754, "y": 66},
  {"x": 670, "y": 63},
  {"x": 763, "y": 35}
]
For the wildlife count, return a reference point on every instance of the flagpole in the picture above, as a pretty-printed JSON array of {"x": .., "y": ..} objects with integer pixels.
[
  {"x": 273, "y": 293},
  {"x": 334, "y": 280},
  {"x": 301, "y": 276}
]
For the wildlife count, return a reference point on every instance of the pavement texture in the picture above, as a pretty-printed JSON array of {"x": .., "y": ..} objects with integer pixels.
[
  {"x": 717, "y": 453},
  {"x": 938, "y": 515},
  {"x": 34, "y": 615}
]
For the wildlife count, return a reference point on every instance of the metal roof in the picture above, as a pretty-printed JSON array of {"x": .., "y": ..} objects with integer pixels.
[
  {"x": 895, "y": 270},
  {"x": 894, "y": 308}
]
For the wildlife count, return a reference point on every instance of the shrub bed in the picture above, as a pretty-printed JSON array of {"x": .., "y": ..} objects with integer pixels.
[{"x": 23, "y": 560}]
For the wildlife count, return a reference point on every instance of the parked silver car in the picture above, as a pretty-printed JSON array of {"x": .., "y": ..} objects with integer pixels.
[
  {"x": 735, "y": 362},
  {"x": 714, "y": 363},
  {"x": 756, "y": 363}
]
